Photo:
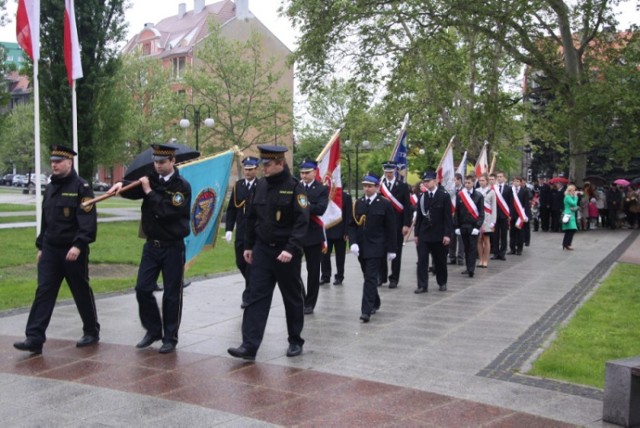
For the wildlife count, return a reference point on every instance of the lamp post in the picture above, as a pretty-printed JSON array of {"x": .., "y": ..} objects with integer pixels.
[
  {"x": 196, "y": 111},
  {"x": 365, "y": 145}
]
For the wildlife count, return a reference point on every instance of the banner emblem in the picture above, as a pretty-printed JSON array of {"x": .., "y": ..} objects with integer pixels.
[{"x": 202, "y": 210}]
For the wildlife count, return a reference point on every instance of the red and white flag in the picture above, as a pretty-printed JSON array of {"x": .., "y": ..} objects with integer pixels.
[
  {"x": 28, "y": 27},
  {"x": 71, "y": 43},
  {"x": 482, "y": 164},
  {"x": 328, "y": 173}
]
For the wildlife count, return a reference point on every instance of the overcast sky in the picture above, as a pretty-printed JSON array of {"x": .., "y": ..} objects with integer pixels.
[{"x": 143, "y": 11}]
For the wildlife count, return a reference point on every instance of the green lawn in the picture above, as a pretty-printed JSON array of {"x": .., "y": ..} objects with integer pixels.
[
  {"x": 114, "y": 259},
  {"x": 606, "y": 327},
  {"x": 6, "y": 208}
]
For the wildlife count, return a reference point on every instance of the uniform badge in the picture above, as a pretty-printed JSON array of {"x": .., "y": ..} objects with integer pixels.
[
  {"x": 66, "y": 211},
  {"x": 86, "y": 208},
  {"x": 177, "y": 199},
  {"x": 302, "y": 201},
  {"x": 278, "y": 215}
]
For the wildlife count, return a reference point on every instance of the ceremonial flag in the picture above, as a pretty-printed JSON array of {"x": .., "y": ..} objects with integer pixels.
[
  {"x": 328, "y": 173},
  {"x": 71, "y": 43},
  {"x": 446, "y": 173},
  {"x": 482, "y": 164},
  {"x": 400, "y": 150},
  {"x": 462, "y": 166},
  {"x": 208, "y": 178},
  {"x": 28, "y": 27},
  {"x": 28, "y": 37}
]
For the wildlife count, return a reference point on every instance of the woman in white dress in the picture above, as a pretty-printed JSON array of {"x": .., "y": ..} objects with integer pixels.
[{"x": 484, "y": 242}]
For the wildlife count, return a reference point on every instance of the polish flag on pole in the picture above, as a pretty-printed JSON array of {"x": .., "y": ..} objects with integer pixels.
[
  {"x": 71, "y": 43},
  {"x": 28, "y": 37},
  {"x": 482, "y": 164},
  {"x": 462, "y": 166},
  {"x": 328, "y": 173},
  {"x": 28, "y": 27}
]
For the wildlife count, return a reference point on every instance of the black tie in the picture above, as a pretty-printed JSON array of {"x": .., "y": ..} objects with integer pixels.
[
  {"x": 501, "y": 188},
  {"x": 430, "y": 195},
  {"x": 389, "y": 185}
]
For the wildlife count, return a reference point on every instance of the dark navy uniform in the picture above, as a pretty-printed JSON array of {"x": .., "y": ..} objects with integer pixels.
[
  {"x": 373, "y": 229},
  {"x": 401, "y": 203},
  {"x": 517, "y": 234},
  {"x": 467, "y": 223},
  {"x": 65, "y": 224},
  {"x": 318, "y": 199},
  {"x": 165, "y": 224},
  {"x": 236, "y": 217},
  {"x": 277, "y": 221},
  {"x": 336, "y": 238},
  {"x": 499, "y": 237},
  {"x": 433, "y": 223}
]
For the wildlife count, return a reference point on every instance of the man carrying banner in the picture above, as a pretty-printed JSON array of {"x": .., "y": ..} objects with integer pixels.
[
  {"x": 469, "y": 220},
  {"x": 433, "y": 232},
  {"x": 314, "y": 240},
  {"x": 166, "y": 205},
  {"x": 398, "y": 193},
  {"x": 372, "y": 234},
  {"x": 236, "y": 216},
  {"x": 520, "y": 199},
  {"x": 277, "y": 222}
]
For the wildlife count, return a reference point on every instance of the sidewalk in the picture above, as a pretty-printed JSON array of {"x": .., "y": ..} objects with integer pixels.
[{"x": 437, "y": 359}]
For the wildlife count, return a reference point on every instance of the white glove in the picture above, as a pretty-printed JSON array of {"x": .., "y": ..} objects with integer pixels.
[
  {"x": 355, "y": 249},
  {"x": 475, "y": 231},
  {"x": 391, "y": 256},
  {"x": 227, "y": 237},
  {"x": 457, "y": 232}
]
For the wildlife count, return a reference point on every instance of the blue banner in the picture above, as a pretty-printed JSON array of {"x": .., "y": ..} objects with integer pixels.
[
  {"x": 209, "y": 178},
  {"x": 400, "y": 156}
]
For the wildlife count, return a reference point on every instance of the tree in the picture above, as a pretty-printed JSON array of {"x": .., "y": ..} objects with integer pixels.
[
  {"x": 240, "y": 85},
  {"x": 152, "y": 106},
  {"x": 547, "y": 35},
  {"x": 100, "y": 27},
  {"x": 16, "y": 145}
]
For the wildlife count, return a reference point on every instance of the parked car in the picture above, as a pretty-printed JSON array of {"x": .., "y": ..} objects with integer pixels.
[
  {"x": 32, "y": 179},
  {"x": 100, "y": 186},
  {"x": 19, "y": 180},
  {"x": 7, "y": 179}
]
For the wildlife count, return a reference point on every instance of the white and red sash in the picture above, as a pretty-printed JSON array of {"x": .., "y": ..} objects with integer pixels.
[
  {"x": 502, "y": 204},
  {"x": 394, "y": 202},
  {"x": 469, "y": 204},
  {"x": 316, "y": 219},
  {"x": 522, "y": 217}
]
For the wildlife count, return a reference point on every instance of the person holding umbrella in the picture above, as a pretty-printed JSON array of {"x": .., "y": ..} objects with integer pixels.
[{"x": 166, "y": 202}]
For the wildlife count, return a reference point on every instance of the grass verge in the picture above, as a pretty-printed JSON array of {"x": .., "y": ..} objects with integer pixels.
[
  {"x": 606, "y": 327},
  {"x": 114, "y": 260}
]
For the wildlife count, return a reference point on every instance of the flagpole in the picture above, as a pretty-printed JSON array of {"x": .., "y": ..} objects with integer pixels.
[
  {"x": 327, "y": 147},
  {"x": 36, "y": 135},
  {"x": 74, "y": 122},
  {"x": 399, "y": 138},
  {"x": 493, "y": 163}
]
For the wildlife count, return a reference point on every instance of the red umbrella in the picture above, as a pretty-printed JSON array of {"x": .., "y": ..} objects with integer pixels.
[
  {"x": 621, "y": 182},
  {"x": 562, "y": 180}
]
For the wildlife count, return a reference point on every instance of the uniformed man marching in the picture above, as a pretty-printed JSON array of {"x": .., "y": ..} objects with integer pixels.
[
  {"x": 318, "y": 199},
  {"x": 236, "y": 216},
  {"x": 373, "y": 238},
  {"x": 166, "y": 207},
  {"x": 277, "y": 222},
  {"x": 433, "y": 232},
  {"x": 66, "y": 231}
]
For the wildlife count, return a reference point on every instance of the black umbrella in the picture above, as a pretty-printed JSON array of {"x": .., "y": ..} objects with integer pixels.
[
  {"x": 142, "y": 164},
  {"x": 635, "y": 180}
]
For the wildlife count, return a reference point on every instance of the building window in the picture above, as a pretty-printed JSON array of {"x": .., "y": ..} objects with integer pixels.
[
  {"x": 10, "y": 58},
  {"x": 146, "y": 49},
  {"x": 178, "y": 67}
]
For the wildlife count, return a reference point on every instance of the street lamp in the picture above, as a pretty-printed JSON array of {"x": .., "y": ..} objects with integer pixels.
[
  {"x": 365, "y": 145},
  {"x": 208, "y": 122}
]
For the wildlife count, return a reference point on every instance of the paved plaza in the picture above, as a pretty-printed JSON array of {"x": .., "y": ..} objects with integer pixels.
[{"x": 454, "y": 358}]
